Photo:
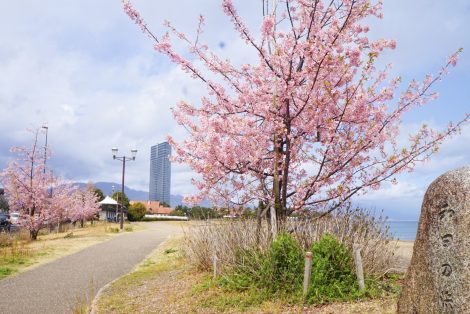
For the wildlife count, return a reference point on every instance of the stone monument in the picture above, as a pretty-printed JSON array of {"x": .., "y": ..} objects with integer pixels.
[{"x": 438, "y": 279}]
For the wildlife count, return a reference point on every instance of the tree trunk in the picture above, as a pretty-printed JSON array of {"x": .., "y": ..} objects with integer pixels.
[
  {"x": 33, "y": 234},
  {"x": 81, "y": 223},
  {"x": 258, "y": 224},
  {"x": 282, "y": 214},
  {"x": 274, "y": 210}
]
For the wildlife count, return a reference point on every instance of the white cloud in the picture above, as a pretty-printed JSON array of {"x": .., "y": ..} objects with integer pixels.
[{"x": 402, "y": 189}]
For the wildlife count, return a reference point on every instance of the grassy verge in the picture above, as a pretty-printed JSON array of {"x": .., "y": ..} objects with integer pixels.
[
  {"x": 18, "y": 253},
  {"x": 150, "y": 286},
  {"x": 165, "y": 283}
]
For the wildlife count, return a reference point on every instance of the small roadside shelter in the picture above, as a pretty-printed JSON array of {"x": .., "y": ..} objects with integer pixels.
[{"x": 109, "y": 209}]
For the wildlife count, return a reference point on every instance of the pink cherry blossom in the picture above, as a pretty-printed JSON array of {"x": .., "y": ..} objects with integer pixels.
[
  {"x": 452, "y": 60},
  {"x": 84, "y": 205},
  {"x": 309, "y": 125},
  {"x": 41, "y": 198}
]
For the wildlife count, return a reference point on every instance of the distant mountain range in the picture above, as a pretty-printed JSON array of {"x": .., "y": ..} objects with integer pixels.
[
  {"x": 107, "y": 188},
  {"x": 137, "y": 195}
]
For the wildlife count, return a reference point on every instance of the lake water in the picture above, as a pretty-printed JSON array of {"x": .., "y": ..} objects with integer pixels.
[{"x": 403, "y": 230}]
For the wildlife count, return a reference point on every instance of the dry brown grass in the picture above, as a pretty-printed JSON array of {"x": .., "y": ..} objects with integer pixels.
[
  {"x": 353, "y": 226},
  {"x": 166, "y": 283},
  {"x": 18, "y": 253},
  {"x": 226, "y": 239},
  {"x": 223, "y": 239},
  {"x": 82, "y": 304}
]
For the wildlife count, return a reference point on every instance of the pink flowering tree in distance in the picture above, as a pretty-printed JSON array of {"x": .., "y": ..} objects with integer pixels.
[
  {"x": 309, "y": 125},
  {"x": 84, "y": 205},
  {"x": 29, "y": 188}
]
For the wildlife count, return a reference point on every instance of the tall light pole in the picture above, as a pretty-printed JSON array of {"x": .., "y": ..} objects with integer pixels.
[
  {"x": 123, "y": 159},
  {"x": 45, "y": 147},
  {"x": 112, "y": 193}
]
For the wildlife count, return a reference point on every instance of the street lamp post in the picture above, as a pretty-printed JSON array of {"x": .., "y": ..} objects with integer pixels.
[
  {"x": 123, "y": 159},
  {"x": 116, "y": 216},
  {"x": 45, "y": 148}
]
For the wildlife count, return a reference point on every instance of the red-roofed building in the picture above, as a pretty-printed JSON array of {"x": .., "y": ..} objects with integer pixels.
[{"x": 154, "y": 207}]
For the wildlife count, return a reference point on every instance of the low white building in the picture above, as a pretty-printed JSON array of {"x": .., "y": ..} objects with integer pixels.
[{"x": 110, "y": 209}]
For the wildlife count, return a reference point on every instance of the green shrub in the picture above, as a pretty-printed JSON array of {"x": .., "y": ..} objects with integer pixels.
[
  {"x": 279, "y": 269},
  {"x": 5, "y": 271},
  {"x": 136, "y": 212},
  {"x": 249, "y": 272},
  {"x": 278, "y": 273},
  {"x": 286, "y": 264},
  {"x": 333, "y": 277}
]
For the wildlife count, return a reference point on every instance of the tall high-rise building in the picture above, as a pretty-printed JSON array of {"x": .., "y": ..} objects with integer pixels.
[{"x": 160, "y": 173}]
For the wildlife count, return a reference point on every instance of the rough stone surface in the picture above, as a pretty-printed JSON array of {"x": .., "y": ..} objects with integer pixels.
[{"x": 438, "y": 279}]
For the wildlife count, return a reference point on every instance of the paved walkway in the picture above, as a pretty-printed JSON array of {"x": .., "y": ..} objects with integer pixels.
[{"x": 55, "y": 287}]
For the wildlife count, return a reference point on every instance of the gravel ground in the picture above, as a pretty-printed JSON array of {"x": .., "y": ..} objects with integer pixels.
[{"x": 56, "y": 287}]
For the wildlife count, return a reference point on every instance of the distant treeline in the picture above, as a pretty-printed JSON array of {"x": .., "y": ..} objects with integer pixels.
[{"x": 199, "y": 212}]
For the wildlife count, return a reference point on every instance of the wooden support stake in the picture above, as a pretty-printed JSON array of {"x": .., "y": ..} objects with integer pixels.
[
  {"x": 214, "y": 265},
  {"x": 307, "y": 271},
  {"x": 358, "y": 262}
]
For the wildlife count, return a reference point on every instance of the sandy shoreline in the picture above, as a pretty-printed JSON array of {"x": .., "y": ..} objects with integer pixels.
[{"x": 403, "y": 253}]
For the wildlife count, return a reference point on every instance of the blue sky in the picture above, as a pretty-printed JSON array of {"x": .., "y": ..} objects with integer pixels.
[{"x": 85, "y": 69}]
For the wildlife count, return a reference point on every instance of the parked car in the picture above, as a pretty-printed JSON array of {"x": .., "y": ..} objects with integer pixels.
[
  {"x": 14, "y": 218},
  {"x": 5, "y": 223}
]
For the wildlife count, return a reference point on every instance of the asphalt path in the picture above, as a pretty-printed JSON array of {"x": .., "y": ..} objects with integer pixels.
[{"x": 58, "y": 286}]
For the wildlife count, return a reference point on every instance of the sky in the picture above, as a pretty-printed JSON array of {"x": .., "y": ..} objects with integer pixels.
[{"x": 87, "y": 72}]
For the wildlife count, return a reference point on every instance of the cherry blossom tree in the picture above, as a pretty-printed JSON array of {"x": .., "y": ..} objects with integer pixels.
[
  {"x": 84, "y": 204},
  {"x": 61, "y": 203},
  {"x": 29, "y": 188},
  {"x": 312, "y": 123}
]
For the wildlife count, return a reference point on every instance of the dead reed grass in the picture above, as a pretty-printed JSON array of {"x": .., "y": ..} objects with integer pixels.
[
  {"x": 223, "y": 239},
  {"x": 353, "y": 226},
  {"x": 226, "y": 239}
]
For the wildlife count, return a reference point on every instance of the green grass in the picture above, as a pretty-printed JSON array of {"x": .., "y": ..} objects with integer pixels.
[
  {"x": 18, "y": 253},
  {"x": 120, "y": 296},
  {"x": 170, "y": 250},
  {"x": 212, "y": 295},
  {"x": 14, "y": 256},
  {"x": 166, "y": 281},
  {"x": 12, "y": 265},
  {"x": 5, "y": 271},
  {"x": 242, "y": 301},
  {"x": 277, "y": 275}
]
